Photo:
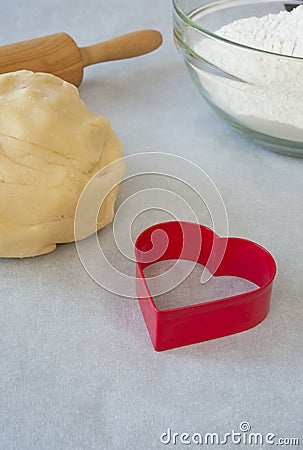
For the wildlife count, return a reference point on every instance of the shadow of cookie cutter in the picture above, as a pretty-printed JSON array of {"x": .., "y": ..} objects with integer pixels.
[{"x": 213, "y": 319}]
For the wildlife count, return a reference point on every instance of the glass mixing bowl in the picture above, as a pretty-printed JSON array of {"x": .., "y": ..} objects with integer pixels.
[{"x": 257, "y": 92}]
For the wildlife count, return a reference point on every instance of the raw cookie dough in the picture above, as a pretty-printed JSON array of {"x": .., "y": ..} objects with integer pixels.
[{"x": 50, "y": 147}]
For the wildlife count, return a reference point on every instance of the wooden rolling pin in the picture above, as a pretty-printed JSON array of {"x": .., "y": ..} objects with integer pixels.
[{"x": 59, "y": 54}]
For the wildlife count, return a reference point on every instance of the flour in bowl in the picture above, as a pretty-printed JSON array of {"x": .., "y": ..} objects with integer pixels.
[
  {"x": 267, "y": 91},
  {"x": 277, "y": 33}
]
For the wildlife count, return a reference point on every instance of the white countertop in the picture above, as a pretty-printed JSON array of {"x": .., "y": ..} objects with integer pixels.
[{"x": 77, "y": 368}]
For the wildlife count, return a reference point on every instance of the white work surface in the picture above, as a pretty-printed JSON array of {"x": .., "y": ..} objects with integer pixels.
[{"x": 77, "y": 368}]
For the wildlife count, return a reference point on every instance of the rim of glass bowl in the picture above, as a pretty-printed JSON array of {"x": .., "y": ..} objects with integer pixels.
[{"x": 186, "y": 18}]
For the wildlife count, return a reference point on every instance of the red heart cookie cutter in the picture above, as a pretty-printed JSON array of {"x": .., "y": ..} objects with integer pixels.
[{"x": 213, "y": 319}]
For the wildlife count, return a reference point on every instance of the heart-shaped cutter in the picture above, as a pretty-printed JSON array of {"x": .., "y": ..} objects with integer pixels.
[{"x": 213, "y": 319}]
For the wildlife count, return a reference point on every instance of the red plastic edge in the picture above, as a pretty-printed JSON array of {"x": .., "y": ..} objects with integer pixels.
[{"x": 196, "y": 323}]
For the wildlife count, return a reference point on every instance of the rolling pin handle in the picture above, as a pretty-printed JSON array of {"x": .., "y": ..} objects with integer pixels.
[{"x": 125, "y": 46}]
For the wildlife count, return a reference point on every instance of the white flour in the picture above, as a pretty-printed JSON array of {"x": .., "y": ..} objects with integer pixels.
[
  {"x": 278, "y": 33},
  {"x": 271, "y": 98}
]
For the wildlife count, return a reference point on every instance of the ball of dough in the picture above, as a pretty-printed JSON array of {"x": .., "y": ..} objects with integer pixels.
[{"x": 51, "y": 145}]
